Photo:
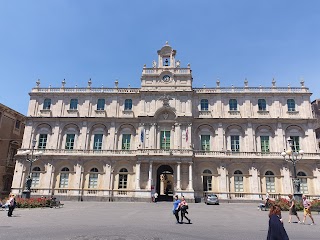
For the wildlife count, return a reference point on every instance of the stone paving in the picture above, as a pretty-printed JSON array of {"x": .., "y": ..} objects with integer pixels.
[{"x": 146, "y": 221}]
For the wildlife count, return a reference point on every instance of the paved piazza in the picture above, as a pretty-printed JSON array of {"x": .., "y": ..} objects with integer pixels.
[{"x": 137, "y": 221}]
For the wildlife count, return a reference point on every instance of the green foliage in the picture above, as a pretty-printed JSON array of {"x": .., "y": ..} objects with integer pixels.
[{"x": 285, "y": 205}]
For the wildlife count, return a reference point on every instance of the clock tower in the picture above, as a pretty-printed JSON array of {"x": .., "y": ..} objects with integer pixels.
[{"x": 166, "y": 74}]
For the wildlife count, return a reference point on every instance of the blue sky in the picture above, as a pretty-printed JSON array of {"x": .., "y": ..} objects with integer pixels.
[{"x": 107, "y": 40}]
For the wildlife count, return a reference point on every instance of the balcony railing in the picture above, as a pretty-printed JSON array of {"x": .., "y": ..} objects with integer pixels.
[{"x": 169, "y": 152}]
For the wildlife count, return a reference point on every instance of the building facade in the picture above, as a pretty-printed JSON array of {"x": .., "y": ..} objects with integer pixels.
[
  {"x": 168, "y": 137},
  {"x": 11, "y": 133},
  {"x": 316, "y": 114}
]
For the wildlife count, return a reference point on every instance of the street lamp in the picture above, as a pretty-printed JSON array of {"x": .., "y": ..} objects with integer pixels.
[
  {"x": 31, "y": 159},
  {"x": 294, "y": 157}
]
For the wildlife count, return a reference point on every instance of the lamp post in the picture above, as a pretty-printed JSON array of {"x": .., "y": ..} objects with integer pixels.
[
  {"x": 26, "y": 193},
  {"x": 294, "y": 157}
]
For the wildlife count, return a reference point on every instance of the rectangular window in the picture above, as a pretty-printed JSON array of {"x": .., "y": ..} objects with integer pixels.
[
  {"x": 165, "y": 140},
  {"x": 73, "y": 104},
  {"x": 100, "y": 104},
  {"x": 93, "y": 180},
  {"x": 126, "y": 141},
  {"x": 304, "y": 186},
  {"x": 262, "y": 105},
  {"x": 291, "y": 105},
  {"x": 205, "y": 142},
  {"x": 204, "y": 105},
  {"x": 47, "y": 104},
  {"x": 42, "y": 141},
  {"x": 238, "y": 183},
  {"x": 64, "y": 179},
  {"x": 18, "y": 123},
  {"x": 264, "y": 144},
  {"x": 270, "y": 184},
  {"x": 295, "y": 143},
  {"x": 35, "y": 176},
  {"x": 233, "y": 105},
  {"x": 123, "y": 179},
  {"x": 128, "y": 104},
  {"x": 235, "y": 143},
  {"x": 97, "y": 142},
  {"x": 70, "y": 141}
]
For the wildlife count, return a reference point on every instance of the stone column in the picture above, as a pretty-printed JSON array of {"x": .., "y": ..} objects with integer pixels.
[
  {"x": 254, "y": 183},
  {"x": 77, "y": 182},
  {"x": 189, "y": 142},
  {"x": 18, "y": 178},
  {"x": 83, "y": 136},
  {"x": 220, "y": 138},
  {"x": 178, "y": 136},
  {"x": 286, "y": 180},
  {"x": 138, "y": 175},
  {"x": 178, "y": 176},
  {"x": 112, "y": 137},
  {"x": 150, "y": 176},
  {"x": 190, "y": 185},
  {"x": 152, "y": 136},
  {"x": 223, "y": 182},
  {"x": 46, "y": 180},
  {"x": 106, "y": 179}
]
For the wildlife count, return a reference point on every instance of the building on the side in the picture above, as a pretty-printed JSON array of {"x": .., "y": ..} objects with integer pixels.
[
  {"x": 11, "y": 132},
  {"x": 166, "y": 136},
  {"x": 316, "y": 114}
]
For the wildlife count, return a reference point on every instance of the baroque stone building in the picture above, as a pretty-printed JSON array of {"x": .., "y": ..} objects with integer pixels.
[
  {"x": 168, "y": 137},
  {"x": 11, "y": 133},
  {"x": 316, "y": 114}
]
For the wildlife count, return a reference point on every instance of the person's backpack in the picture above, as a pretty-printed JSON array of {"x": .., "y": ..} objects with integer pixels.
[{"x": 14, "y": 203}]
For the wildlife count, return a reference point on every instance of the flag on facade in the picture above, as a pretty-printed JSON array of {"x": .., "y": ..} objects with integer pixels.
[
  {"x": 142, "y": 135},
  {"x": 187, "y": 135}
]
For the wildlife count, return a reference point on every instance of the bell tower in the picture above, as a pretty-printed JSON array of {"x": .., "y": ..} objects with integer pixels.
[{"x": 166, "y": 74}]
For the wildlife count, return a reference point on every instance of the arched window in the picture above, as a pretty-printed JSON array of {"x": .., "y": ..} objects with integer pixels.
[
  {"x": 270, "y": 182},
  {"x": 204, "y": 105},
  {"x": 207, "y": 180},
  {"x": 291, "y": 105},
  {"x": 35, "y": 176},
  {"x": 47, "y": 104},
  {"x": 128, "y": 104},
  {"x": 238, "y": 181},
  {"x": 303, "y": 182},
  {"x": 93, "y": 178},
  {"x": 233, "y": 105},
  {"x": 262, "y": 105},
  {"x": 123, "y": 178},
  {"x": 64, "y": 178}
]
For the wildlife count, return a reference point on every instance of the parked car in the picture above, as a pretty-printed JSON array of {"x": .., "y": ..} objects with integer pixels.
[{"x": 211, "y": 199}]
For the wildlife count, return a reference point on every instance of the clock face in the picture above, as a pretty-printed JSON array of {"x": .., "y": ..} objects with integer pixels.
[{"x": 166, "y": 78}]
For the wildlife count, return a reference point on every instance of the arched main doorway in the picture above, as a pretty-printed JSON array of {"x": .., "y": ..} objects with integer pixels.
[{"x": 165, "y": 183}]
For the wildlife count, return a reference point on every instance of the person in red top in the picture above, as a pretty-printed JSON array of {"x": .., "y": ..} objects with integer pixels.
[{"x": 307, "y": 209}]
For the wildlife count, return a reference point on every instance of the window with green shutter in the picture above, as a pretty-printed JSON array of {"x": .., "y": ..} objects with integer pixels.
[
  {"x": 295, "y": 143},
  {"x": 205, "y": 142},
  {"x": 165, "y": 140},
  {"x": 126, "y": 141},
  {"x": 264, "y": 144},
  {"x": 235, "y": 143}
]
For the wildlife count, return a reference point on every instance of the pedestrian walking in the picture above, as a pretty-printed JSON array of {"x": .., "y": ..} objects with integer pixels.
[
  {"x": 307, "y": 209},
  {"x": 183, "y": 208},
  {"x": 292, "y": 209},
  {"x": 276, "y": 229},
  {"x": 11, "y": 203},
  {"x": 155, "y": 195},
  {"x": 176, "y": 207}
]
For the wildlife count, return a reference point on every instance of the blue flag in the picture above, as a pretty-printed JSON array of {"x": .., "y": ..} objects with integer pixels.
[{"x": 142, "y": 135}]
